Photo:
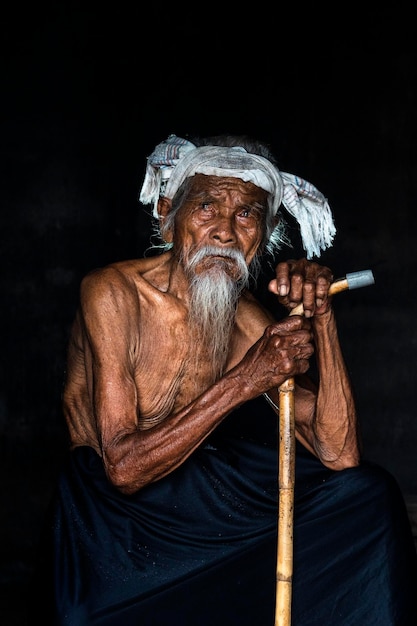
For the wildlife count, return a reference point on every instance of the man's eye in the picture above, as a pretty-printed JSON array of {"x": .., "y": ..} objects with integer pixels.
[
  {"x": 250, "y": 213},
  {"x": 206, "y": 208}
]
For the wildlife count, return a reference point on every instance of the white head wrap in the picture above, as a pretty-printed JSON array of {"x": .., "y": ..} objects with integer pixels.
[{"x": 176, "y": 159}]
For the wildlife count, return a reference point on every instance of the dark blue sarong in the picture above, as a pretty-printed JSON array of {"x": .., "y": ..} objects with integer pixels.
[{"x": 198, "y": 547}]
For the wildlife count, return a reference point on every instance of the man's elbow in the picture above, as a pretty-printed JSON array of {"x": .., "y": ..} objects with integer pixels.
[{"x": 341, "y": 461}]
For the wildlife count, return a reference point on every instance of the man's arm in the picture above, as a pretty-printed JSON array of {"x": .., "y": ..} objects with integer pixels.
[
  {"x": 328, "y": 426},
  {"x": 335, "y": 425}
]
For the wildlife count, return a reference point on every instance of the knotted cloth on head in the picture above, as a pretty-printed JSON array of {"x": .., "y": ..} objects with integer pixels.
[{"x": 176, "y": 159}]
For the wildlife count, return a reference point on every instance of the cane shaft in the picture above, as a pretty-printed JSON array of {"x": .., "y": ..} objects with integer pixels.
[
  {"x": 285, "y": 504},
  {"x": 286, "y": 478}
]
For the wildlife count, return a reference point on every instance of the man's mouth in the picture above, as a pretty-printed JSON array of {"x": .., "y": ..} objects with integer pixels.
[
  {"x": 218, "y": 263},
  {"x": 218, "y": 258}
]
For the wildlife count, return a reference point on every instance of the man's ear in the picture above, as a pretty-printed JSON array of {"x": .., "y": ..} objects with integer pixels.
[{"x": 164, "y": 207}]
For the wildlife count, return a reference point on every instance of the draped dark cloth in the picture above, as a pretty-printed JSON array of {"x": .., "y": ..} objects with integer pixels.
[{"x": 198, "y": 547}]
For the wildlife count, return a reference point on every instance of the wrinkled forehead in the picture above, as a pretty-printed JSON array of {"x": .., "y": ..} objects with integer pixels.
[
  {"x": 227, "y": 163},
  {"x": 201, "y": 185}
]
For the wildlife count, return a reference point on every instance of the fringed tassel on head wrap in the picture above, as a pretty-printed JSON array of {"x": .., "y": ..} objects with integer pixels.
[
  {"x": 160, "y": 164},
  {"x": 311, "y": 210},
  {"x": 300, "y": 198}
]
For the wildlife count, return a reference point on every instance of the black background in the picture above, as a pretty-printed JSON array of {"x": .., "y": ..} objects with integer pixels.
[{"x": 89, "y": 91}]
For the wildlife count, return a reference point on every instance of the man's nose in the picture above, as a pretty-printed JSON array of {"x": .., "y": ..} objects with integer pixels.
[{"x": 223, "y": 231}]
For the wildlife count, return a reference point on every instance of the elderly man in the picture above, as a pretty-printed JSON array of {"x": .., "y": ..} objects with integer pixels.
[{"x": 166, "y": 510}]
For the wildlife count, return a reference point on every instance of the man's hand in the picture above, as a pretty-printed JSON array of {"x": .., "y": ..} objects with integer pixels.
[
  {"x": 302, "y": 282},
  {"x": 282, "y": 352}
]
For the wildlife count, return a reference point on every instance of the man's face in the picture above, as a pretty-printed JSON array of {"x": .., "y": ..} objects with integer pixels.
[{"x": 224, "y": 213}]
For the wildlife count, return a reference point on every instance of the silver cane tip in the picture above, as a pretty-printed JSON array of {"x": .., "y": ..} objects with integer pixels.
[{"x": 360, "y": 279}]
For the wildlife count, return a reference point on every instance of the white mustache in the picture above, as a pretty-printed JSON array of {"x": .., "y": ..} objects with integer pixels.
[{"x": 229, "y": 253}]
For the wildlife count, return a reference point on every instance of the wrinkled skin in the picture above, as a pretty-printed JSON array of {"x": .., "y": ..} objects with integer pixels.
[{"x": 133, "y": 392}]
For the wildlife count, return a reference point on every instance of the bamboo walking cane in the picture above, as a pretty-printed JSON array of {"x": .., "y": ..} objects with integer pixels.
[{"x": 286, "y": 469}]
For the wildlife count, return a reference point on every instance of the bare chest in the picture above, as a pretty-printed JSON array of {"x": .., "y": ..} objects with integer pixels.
[{"x": 172, "y": 368}]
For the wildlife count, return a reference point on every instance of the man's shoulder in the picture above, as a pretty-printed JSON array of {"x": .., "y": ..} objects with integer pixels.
[
  {"x": 121, "y": 272},
  {"x": 121, "y": 279},
  {"x": 113, "y": 274}
]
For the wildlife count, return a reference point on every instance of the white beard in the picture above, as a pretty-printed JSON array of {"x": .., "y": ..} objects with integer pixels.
[{"x": 214, "y": 295}]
